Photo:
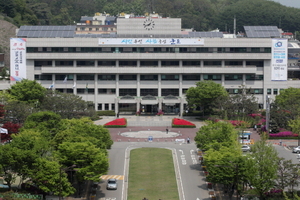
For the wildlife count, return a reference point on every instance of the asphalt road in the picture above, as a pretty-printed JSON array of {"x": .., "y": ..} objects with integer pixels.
[{"x": 192, "y": 185}]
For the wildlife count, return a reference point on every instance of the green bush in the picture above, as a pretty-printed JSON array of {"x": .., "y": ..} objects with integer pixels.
[
  {"x": 106, "y": 113},
  {"x": 183, "y": 126}
]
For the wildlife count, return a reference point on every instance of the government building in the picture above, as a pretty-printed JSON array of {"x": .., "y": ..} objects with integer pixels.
[{"x": 146, "y": 64}]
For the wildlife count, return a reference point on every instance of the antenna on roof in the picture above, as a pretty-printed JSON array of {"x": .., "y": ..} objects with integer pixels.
[{"x": 234, "y": 25}]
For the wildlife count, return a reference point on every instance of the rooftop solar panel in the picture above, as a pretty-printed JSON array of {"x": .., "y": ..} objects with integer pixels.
[{"x": 262, "y": 31}]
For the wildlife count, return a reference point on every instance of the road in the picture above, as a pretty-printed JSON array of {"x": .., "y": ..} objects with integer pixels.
[{"x": 192, "y": 185}]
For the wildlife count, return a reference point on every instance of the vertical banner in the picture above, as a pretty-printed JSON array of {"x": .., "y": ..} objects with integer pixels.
[
  {"x": 17, "y": 59},
  {"x": 279, "y": 59}
]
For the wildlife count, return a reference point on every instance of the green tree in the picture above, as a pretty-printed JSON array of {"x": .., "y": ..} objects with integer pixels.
[
  {"x": 226, "y": 166},
  {"x": 237, "y": 106},
  {"x": 28, "y": 91},
  {"x": 287, "y": 174},
  {"x": 91, "y": 162},
  {"x": 216, "y": 135},
  {"x": 67, "y": 105},
  {"x": 77, "y": 130},
  {"x": 49, "y": 176},
  {"x": 205, "y": 94},
  {"x": 262, "y": 167},
  {"x": 17, "y": 111}
]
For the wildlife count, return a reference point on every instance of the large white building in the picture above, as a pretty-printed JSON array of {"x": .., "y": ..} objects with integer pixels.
[{"x": 149, "y": 64}]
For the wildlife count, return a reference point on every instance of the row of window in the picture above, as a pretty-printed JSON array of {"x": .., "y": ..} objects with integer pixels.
[
  {"x": 154, "y": 92},
  {"x": 134, "y": 63},
  {"x": 150, "y": 77},
  {"x": 149, "y": 49}
]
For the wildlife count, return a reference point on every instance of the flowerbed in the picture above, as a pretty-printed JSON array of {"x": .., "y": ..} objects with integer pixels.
[
  {"x": 117, "y": 123},
  {"x": 181, "y": 123},
  {"x": 284, "y": 134}
]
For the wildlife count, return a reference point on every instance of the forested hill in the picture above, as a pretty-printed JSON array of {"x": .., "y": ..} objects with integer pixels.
[{"x": 202, "y": 15}]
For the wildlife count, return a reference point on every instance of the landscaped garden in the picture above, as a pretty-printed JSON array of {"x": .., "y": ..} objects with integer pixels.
[{"x": 152, "y": 175}]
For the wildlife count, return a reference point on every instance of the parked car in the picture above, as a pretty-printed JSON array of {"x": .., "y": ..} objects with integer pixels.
[
  {"x": 246, "y": 148},
  {"x": 296, "y": 149},
  {"x": 112, "y": 184}
]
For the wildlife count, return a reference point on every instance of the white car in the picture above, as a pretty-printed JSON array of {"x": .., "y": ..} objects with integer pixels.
[
  {"x": 296, "y": 149},
  {"x": 111, "y": 184},
  {"x": 246, "y": 148}
]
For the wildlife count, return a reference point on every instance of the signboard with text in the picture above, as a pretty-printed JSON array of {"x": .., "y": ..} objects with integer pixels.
[
  {"x": 17, "y": 59},
  {"x": 279, "y": 59},
  {"x": 151, "y": 41}
]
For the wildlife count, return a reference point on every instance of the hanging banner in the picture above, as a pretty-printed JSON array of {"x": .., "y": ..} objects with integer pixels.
[
  {"x": 279, "y": 59},
  {"x": 17, "y": 59}
]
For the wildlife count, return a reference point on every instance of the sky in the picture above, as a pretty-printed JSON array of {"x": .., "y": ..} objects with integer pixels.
[{"x": 290, "y": 3}]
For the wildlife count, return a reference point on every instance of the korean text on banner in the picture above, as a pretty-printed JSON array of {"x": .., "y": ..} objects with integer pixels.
[{"x": 17, "y": 59}]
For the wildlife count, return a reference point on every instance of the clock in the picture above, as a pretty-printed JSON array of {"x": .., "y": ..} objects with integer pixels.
[{"x": 148, "y": 24}]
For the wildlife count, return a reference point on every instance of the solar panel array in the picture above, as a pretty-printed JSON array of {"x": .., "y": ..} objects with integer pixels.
[
  {"x": 262, "y": 32},
  {"x": 206, "y": 34},
  {"x": 46, "y": 31},
  {"x": 69, "y": 32}
]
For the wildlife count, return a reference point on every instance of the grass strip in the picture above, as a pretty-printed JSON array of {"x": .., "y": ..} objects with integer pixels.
[{"x": 152, "y": 175}]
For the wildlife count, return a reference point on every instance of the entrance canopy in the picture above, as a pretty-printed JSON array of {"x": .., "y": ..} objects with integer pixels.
[{"x": 149, "y": 100}]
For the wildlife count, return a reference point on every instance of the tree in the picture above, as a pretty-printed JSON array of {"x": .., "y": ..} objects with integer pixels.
[
  {"x": 78, "y": 130},
  {"x": 49, "y": 176},
  {"x": 237, "y": 106},
  {"x": 216, "y": 135},
  {"x": 226, "y": 166},
  {"x": 17, "y": 111},
  {"x": 28, "y": 91},
  {"x": 262, "y": 167},
  {"x": 91, "y": 162},
  {"x": 287, "y": 175},
  {"x": 66, "y": 105},
  {"x": 205, "y": 94}
]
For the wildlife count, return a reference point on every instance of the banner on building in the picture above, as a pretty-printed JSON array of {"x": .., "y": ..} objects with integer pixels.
[
  {"x": 152, "y": 41},
  {"x": 279, "y": 59},
  {"x": 17, "y": 59}
]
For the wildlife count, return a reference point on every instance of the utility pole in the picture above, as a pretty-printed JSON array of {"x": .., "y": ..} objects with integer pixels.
[{"x": 267, "y": 114}]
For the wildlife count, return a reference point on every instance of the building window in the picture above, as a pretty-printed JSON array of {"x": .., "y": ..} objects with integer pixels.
[
  {"x": 112, "y": 106},
  {"x": 255, "y": 63},
  {"x": 234, "y": 91},
  {"x": 213, "y": 63},
  {"x": 100, "y": 106},
  {"x": 184, "y": 91},
  {"x": 191, "y": 77},
  {"x": 275, "y": 91},
  {"x": 233, "y": 77},
  {"x": 106, "y": 106},
  {"x": 62, "y": 77},
  {"x": 150, "y": 63},
  {"x": 107, "y": 77},
  {"x": 215, "y": 77},
  {"x": 127, "y": 77},
  {"x": 191, "y": 63},
  {"x": 269, "y": 91},
  {"x": 38, "y": 63},
  {"x": 252, "y": 77},
  {"x": 64, "y": 63},
  {"x": 85, "y": 63},
  {"x": 124, "y": 92},
  {"x": 233, "y": 63},
  {"x": 170, "y": 63},
  {"x": 171, "y": 77},
  {"x": 107, "y": 63},
  {"x": 166, "y": 92},
  {"x": 85, "y": 77},
  {"x": 149, "y": 77},
  {"x": 43, "y": 77},
  {"x": 152, "y": 92},
  {"x": 127, "y": 63}
]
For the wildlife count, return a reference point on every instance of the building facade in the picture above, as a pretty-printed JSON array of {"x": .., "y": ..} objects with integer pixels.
[{"x": 149, "y": 65}]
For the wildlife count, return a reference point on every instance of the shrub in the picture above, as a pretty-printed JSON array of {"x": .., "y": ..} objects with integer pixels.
[
  {"x": 106, "y": 113},
  {"x": 117, "y": 123},
  {"x": 283, "y": 134},
  {"x": 181, "y": 123}
]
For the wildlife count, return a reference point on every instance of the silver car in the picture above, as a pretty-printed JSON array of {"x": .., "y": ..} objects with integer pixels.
[
  {"x": 112, "y": 184},
  {"x": 246, "y": 148}
]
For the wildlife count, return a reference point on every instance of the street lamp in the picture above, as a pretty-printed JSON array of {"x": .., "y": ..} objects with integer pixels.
[{"x": 60, "y": 176}]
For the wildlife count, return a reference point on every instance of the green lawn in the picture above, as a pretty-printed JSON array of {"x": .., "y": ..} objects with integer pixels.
[{"x": 152, "y": 175}]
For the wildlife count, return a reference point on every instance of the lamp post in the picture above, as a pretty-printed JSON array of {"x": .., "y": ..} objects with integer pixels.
[{"x": 60, "y": 177}]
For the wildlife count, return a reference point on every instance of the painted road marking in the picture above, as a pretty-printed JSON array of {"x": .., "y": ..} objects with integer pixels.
[{"x": 106, "y": 177}]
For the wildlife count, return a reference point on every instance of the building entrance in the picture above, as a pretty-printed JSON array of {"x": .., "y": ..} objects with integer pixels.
[{"x": 149, "y": 109}]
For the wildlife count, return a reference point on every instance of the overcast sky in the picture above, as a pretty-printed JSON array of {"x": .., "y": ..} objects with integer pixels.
[{"x": 290, "y": 3}]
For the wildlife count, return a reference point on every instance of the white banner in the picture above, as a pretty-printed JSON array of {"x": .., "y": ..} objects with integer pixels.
[
  {"x": 279, "y": 59},
  {"x": 151, "y": 41},
  {"x": 17, "y": 59}
]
